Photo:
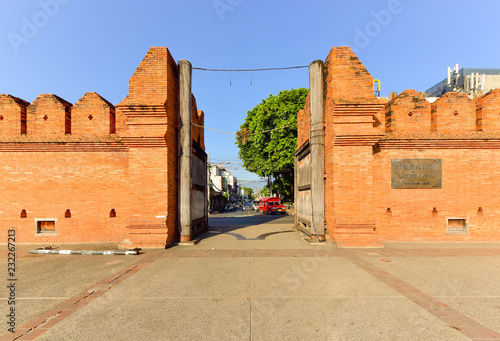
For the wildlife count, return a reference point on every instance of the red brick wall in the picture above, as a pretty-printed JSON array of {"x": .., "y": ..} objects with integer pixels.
[
  {"x": 71, "y": 162},
  {"x": 345, "y": 76},
  {"x": 364, "y": 133},
  {"x": 150, "y": 112},
  {"x": 453, "y": 114},
  {"x": 199, "y": 137},
  {"x": 408, "y": 114},
  {"x": 352, "y": 123},
  {"x": 49, "y": 116},
  {"x": 198, "y": 119},
  {"x": 488, "y": 111},
  {"x": 469, "y": 182},
  {"x": 12, "y": 116},
  {"x": 48, "y": 182},
  {"x": 92, "y": 115},
  {"x": 303, "y": 123}
]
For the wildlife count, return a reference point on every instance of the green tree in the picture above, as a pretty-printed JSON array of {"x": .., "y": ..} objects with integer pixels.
[
  {"x": 264, "y": 147},
  {"x": 264, "y": 191},
  {"x": 248, "y": 192}
]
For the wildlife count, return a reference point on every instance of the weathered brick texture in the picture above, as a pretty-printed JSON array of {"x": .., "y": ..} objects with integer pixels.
[
  {"x": 48, "y": 116},
  {"x": 114, "y": 169},
  {"x": 364, "y": 133},
  {"x": 92, "y": 115},
  {"x": 12, "y": 116},
  {"x": 488, "y": 111}
]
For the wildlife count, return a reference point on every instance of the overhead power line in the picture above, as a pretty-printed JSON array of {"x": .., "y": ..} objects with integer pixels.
[
  {"x": 251, "y": 134},
  {"x": 266, "y": 131},
  {"x": 252, "y": 70},
  {"x": 220, "y": 131}
]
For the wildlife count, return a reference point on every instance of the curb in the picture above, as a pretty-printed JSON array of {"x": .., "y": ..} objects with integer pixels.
[{"x": 85, "y": 252}]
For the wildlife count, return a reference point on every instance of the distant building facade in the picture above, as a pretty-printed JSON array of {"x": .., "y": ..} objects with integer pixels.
[
  {"x": 474, "y": 82},
  {"x": 221, "y": 182}
]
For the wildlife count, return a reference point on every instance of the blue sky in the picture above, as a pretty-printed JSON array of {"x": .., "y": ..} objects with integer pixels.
[{"x": 69, "y": 47}]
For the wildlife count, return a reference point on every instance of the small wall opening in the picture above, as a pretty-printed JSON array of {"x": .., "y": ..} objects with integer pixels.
[
  {"x": 112, "y": 214},
  {"x": 456, "y": 226},
  {"x": 23, "y": 214},
  {"x": 23, "y": 121},
  {"x": 67, "y": 122},
  {"x": 67, "y": 214},
  {"x": 45, "y": 226},
  {"x": 112, "y": 124}
]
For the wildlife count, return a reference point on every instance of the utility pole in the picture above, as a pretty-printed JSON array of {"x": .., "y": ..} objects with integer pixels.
[
  {"x": 185, "y": 139},
  {"x": 317, "y": 142}
]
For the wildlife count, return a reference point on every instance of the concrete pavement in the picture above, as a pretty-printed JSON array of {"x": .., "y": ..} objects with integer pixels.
[{"x": 253, "y": 278}]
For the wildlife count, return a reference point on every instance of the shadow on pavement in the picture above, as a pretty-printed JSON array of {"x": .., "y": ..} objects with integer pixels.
[{"x": 231, "y": 222}]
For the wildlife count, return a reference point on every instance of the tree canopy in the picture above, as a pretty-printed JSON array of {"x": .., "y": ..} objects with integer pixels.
[{"x": 264, "y": 147}]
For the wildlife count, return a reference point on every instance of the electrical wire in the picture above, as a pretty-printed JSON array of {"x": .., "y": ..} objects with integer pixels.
[
  {"x": 259, "y": 132},
  {"x": 266, "y": 131},
  {"x": 220, "y": 131},
  {"x": 252, "y": 70}
]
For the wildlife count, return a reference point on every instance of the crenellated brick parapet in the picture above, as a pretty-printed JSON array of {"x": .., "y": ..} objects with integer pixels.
[
  {"x": 51, "y": 118},
  {"x": 454, "y": 113},
  {"x": 488, "y": 112},
  {"x": 12, "y": 116},
  {"x": 408, "y": 112},
  {"x": 93, "y": 115},
  {"x": 452, "y": 116},
  {"x": 49, "y": 115}
]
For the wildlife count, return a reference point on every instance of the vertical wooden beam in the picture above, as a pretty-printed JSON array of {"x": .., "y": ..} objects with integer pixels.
[
  {"x": 317, "y": 140},
  {"x": 185, "y": 140}
]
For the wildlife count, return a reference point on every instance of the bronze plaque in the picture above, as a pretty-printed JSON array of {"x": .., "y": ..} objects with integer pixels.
[{"x": 416, "y": 173}]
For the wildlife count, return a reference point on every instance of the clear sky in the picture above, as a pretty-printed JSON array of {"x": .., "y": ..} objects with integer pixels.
[{"x": 69, "y": 47}]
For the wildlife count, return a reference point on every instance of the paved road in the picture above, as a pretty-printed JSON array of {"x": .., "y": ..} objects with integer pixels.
[{"x": 251, "y": 277}]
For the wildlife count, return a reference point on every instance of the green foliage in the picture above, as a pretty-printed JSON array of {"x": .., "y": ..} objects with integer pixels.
[
  {"x": 283, "y": 185},
  {"x": 225, "y": 197},
  {"x": 264, "y": 191},
  {"x": 248, "y": 191},
  {"x": 272, "y": 153}
]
